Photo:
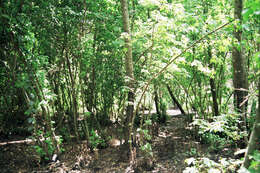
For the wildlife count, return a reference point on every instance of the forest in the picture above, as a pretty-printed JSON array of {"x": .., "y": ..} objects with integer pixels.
[{"x": 129, "y": 86}]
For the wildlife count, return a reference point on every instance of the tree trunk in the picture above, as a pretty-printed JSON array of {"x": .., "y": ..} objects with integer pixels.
[
  {"x": 255, "y": 135},
  {"x": 74, "y": 98},
  {"x": 240, "y": 81},
  {"x": 214, "y": 96},
  {"x": 130, "y": 79},
  {"x": 213, "y": 86},
  {"x": 156, "y": 101},
  {"x": 175, "y": 101}
]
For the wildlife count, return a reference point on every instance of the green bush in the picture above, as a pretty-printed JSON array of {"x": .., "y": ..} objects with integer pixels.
[
  {"x": 197, "y": 165},
  {"x": 95, "y": 140},
  {"x": 255, "y": 163},
  {"x": 219, "y": 131},
  {"x": 45, "y": 147}
]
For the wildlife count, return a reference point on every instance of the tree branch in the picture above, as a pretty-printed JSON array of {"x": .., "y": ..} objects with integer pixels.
[{"x": 176, "y": 57}]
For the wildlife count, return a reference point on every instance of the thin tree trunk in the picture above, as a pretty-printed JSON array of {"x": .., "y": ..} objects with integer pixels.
[
  {"x": 130, "y": 78},
  {"x": 156, "y": 101},
  {"x": 255, "y": 135},
  {"x": 214, "y": 96},
  {"x": 175, "y": 101},
  {"x": 74, "y": 99},
  {"x": 220, "y": 83},
  {"x": 240, "y": 80},
  {"x": 238, "y": 60},
  {"x": 213, "y": 86}
]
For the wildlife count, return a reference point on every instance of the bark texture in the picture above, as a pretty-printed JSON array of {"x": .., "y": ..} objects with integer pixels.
[
  {"x": 156, "y": 101},
  {"x": 128, "y": 60},
  {"x": 213, "y": 86},
  {"x": 240, "y": 81},
  {"x": 175, "y": 101},
  {"x": 255, "y": 135},
  {"x": 129, "y": 76}
]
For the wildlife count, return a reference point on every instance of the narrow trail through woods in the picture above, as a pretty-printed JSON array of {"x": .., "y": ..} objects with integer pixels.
[{"x": 171, "y": 147}]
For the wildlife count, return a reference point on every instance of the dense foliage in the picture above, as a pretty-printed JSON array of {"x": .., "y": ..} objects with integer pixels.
[{"x": 64, "y": 77}]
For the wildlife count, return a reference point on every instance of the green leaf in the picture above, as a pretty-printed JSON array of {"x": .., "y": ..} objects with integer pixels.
[
  {"x": 5, "y": 16},
  {"x": 87, "y": 114},
  {"x": 256, "y": 56},
  {"x": 148, "y": 122}
]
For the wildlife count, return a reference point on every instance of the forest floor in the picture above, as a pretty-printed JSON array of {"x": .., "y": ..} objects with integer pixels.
[{"x": 171, "y": 147}]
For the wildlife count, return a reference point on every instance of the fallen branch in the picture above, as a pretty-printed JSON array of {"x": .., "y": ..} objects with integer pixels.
[{"x": 26, "y": 141}]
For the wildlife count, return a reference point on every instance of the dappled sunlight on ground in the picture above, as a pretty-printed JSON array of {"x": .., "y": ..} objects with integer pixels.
[{"x": 171, "y": 147}]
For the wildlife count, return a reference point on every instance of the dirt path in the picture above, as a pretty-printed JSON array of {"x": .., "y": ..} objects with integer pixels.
[
  {"x": 170, "y": 148},
  {"x": 170, "y": 112}
]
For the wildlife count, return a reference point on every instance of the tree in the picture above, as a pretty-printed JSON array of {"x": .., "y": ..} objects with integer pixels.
[
  {"x": 129, "y": 75},
  {"x": 255, "y": 135},
  {"x": 240, "y": 80}
]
